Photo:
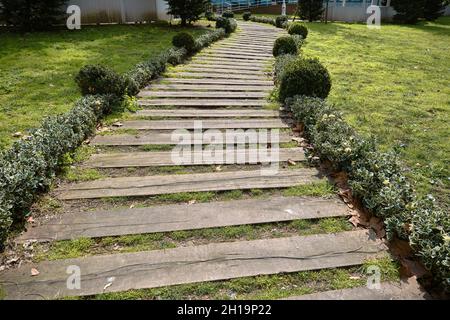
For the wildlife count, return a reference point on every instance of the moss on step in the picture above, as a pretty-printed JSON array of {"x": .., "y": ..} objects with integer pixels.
[
  {"x": 260, "y": 287},
  {"x": 155, "y": 241},
  {"x": 75, "y": 174}
]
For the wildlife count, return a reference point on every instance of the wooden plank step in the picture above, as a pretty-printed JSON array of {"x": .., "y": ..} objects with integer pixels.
[
  {"x": 387, "y": 291},
  {"x": 175, "y": 86},
  {"x": 250, "y": 42},
  {"x": 255, "y": 50},
  {"x": 248, "y": 67},
  {"x": 204, "y": 124},
  {"x": 94, "y": 224},
  {"x": 236, "y": 70},
  {"x": 217, "y": 261},
  {"x": 267, "y": 47},
  {"x": 203, "y": 94},
  {"x": 239, "y": 53},
  {"x": 230, "y": 82},
  {"x": 230, "y": 62},
  {"x": 197, "y": 182},
  {"x": 233, "y": 56},
  {"x": 155, "y": 159},
  {"x": 204, "y": 102},
  {"x": 214, "y": 75},
  {"x": 206, "y": 113},
  {"x": 159, "y": 139}
]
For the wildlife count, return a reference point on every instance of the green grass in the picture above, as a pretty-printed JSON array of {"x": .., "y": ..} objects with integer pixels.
[
  {"x": 155, "y": 241},
  {"x": 264, "y": 287},
  {"x": 394, "y": 83},
  {"x": 37, "y": 70}
]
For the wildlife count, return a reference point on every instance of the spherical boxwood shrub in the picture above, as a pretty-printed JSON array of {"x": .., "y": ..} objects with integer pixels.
[
  {"x": 246, "y": 15},
  {"x": 281, "y": 21},
  {"x": 97, "y": 79},
  {"x": 304, "y": 77},
  {"x": 229, "y": 25},
  {"x": 210, "y": 16},
  {"x": 284, "y": 45},
  {"x": 228, "y": 14},
  {"x": 298, "y": 28},
  {"x": 184, "y": 40}
]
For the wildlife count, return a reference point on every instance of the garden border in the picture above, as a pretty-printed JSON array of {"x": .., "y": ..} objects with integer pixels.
[
  {"x": 30, "y": 166},
  {"x": 375, "y": 178}
]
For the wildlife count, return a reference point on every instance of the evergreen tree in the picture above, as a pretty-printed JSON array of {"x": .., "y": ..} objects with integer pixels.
[
  {"x": 310, "y": 9},
  {"x": 32, "y": 15},
  {"x": 434, "y": 9},
  {"x": 187, "y": 10},
  {"x": 408, "y": 11}
]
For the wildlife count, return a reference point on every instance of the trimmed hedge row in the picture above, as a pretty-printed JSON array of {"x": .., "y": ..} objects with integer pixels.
[
  {"x": 30, "y": 165},
  {"x": 378, "y": 179},
  {"x": 279, "y": 21},
  {"x": 263, "y": 20}
]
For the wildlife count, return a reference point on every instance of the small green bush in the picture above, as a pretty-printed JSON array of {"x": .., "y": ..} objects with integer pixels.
[
  {"x": 229, "y": 25},
  {"x": 298, "y": 28},
  {"x": 210, "y": 16},
  {"x": 304, "y": 77},
  {"x": 378, "y": 179},
  {"x": 184, "y": 40},
  {"x": 281, "y": 21},
  {"x": 280, "y": 64},
  {"x": 284, "y": 45},
  {"x": 246, "y": 15},
  {"x": 228, "y": 14},
  {"x": 97, "y": 79}
]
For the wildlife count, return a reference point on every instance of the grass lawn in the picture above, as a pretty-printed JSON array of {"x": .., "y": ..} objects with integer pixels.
[
  {"x": 394, "y": 83},
  {"x": 37, "y": 70}
]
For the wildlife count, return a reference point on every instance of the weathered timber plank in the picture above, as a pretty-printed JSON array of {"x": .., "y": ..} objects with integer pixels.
[
  {"x": 205, "y": 69},
  {"x": 236, "y": 57},
  {"x": 202, "y": 94},
  {"x": 206, "y": 113},
  {"x": 153, "y": 159},
  {"x": 218, "y": 261},
  {"x": 229, "y": 82},
  {"x": 215, "y": 75},
  {"x": 239, "y": 53},
  {"x": 204, "y": 124},
  {"x": 184, "y": 217},
  {"x": 162, "y": 139},
  {"x": 387, "y": 291},
  {"x": 229, "y": 62},
  {"x": 203, "y": 102},
  {"x": 166, "y": 184},
  {"x": 232, "y": 67},
  {"x": 214, "y": 87}
]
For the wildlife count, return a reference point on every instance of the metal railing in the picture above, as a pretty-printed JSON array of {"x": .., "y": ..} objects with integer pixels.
[{"x": 238, "y": 5}]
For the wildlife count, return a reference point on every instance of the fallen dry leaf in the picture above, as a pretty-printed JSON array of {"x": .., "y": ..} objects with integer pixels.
[
  {"x": 17, "y": 134},
  {"x": 291, "y": 162},
  {"x": 34, "y": 272}
]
